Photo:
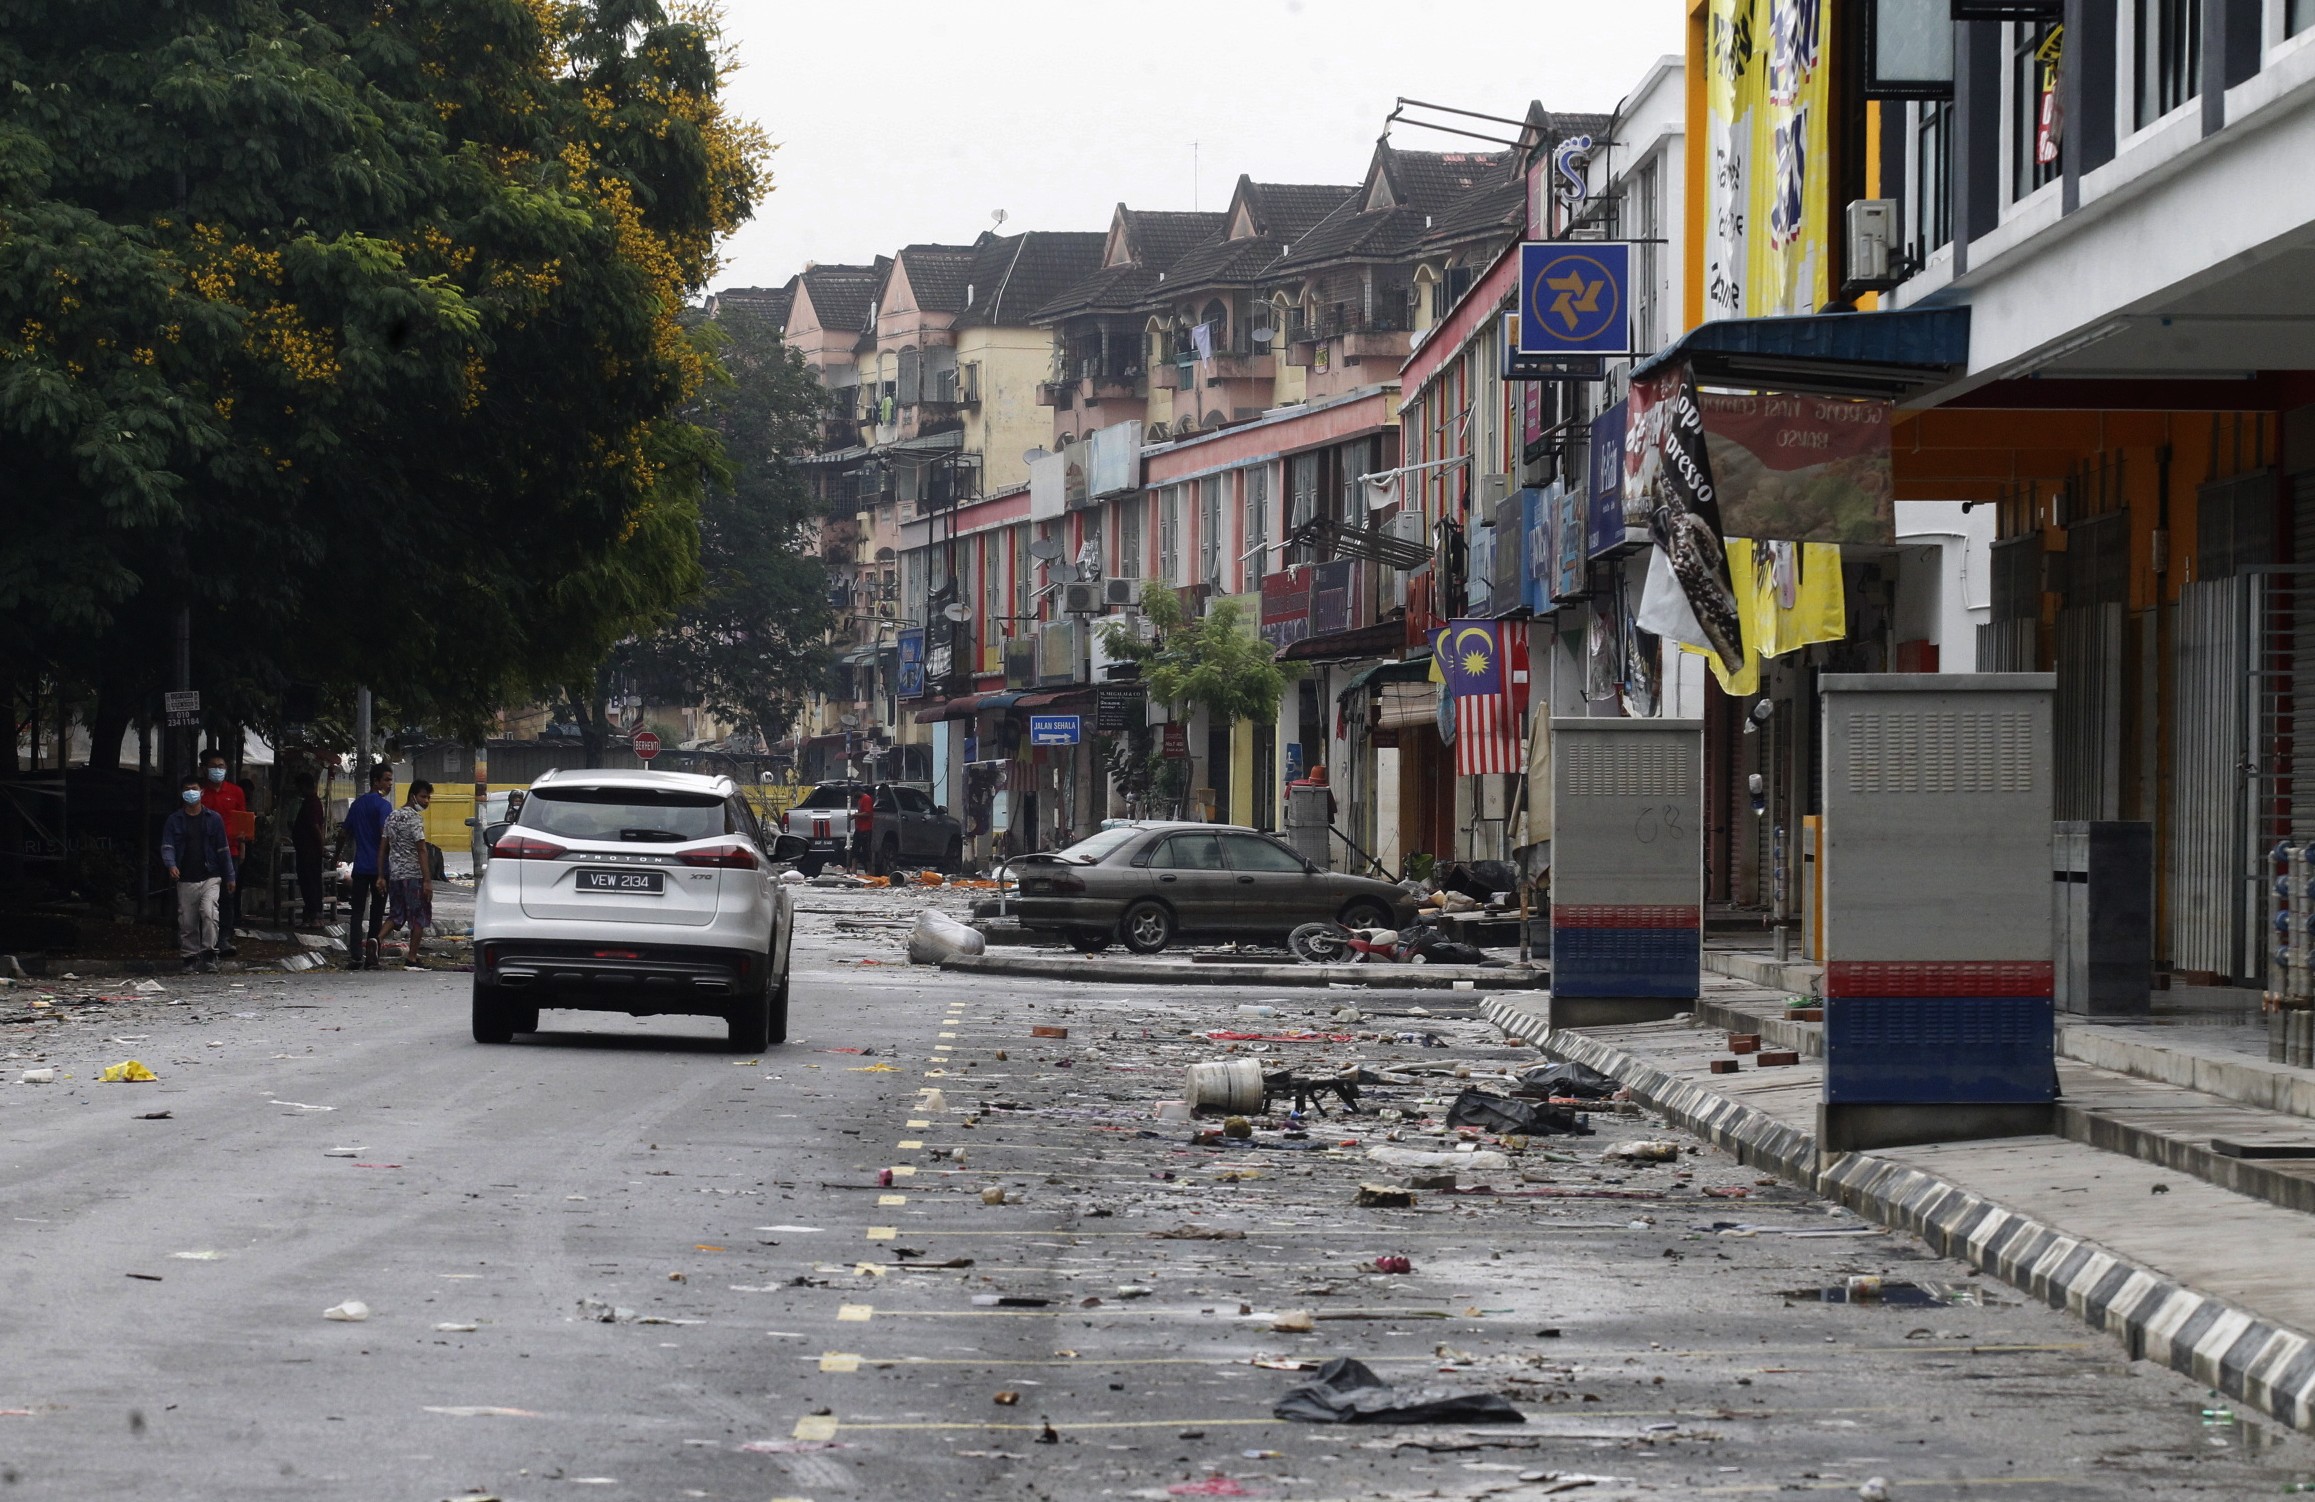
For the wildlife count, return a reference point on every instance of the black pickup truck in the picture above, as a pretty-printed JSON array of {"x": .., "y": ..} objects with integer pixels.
[{"x": 906, "y": 830}]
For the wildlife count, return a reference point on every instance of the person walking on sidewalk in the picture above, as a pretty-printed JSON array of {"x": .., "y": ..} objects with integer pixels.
[
  {"x": 409, "y": 869},
  {"x": 305, "y": 837},
  {"x": 229, "y": 803},
  {"x": 364, "y": 827},
  {"x": 200, "y": 861}
]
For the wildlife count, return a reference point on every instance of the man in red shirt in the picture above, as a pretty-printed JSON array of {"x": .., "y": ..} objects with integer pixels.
[
  {"x": 224, "y": 799},
  {"x": 863, "y": 829}
]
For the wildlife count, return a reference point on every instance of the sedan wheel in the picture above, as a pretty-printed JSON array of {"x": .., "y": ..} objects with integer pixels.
[
  {"x": 1147, "y": 927},
  {"x": 1367, "y": 913},
  {"x": 1087, "y": 941}
]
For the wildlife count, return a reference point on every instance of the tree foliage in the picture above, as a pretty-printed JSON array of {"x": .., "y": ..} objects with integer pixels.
[
  {"x": 1212, "y": 661},
  {"x": 355, "y": 329},
  {"x": 749, "y": 645}
]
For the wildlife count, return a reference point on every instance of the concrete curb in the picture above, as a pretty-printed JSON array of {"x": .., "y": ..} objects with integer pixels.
[
  {"x": 1174, "y": 973},
  {"x": 2250, "y": 1359}
]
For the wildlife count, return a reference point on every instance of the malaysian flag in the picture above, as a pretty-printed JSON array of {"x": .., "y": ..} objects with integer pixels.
[{"x": 1483, "y": 665}]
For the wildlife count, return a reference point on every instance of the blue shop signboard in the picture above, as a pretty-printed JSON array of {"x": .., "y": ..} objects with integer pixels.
[
  {"x": 1536, "y": 573},
  {"x": 912, "y": 663},
  {"x": 1575, "y": 297},
  {"x": 1604, "y": 529}
]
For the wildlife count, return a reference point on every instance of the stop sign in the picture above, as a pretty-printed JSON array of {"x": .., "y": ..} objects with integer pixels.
[{"x": 646, "y": 745}]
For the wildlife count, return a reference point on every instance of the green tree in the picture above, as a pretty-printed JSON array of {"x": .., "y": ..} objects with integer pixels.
[
  {"x": 748, "y": 646},
  {"x": 1214, "y": 662},
  {"x": 355, "y": 331}
]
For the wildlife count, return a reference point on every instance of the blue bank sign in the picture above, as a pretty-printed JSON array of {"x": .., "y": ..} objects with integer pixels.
[
  {"x": 1054, "y": 729},
  {"x": 1575, "y": 297}
]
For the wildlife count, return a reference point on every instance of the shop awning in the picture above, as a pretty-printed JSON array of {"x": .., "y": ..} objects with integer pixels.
[
  {"x": 1380, "y": 640},
  {"x": 968, "y": 706},
  {"x": 1058, "y": 698},
  {"x": 837, "y": 456},
  {"x": 928, "y": 444},
  {"x": 1415, "y": 669},
  {"x": 1893, "y": 355}
]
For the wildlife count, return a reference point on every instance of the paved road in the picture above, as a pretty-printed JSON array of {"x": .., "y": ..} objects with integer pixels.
[{"x": 795, "y": 1330}]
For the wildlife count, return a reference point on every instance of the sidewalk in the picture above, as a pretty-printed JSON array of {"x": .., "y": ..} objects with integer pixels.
[
  {"x": 1183, "y": 972},
  {"x": 2131, "y": 1218}
]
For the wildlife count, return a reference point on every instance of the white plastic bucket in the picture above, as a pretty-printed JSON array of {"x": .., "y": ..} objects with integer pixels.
[{"x": 1232, "y": 1085}]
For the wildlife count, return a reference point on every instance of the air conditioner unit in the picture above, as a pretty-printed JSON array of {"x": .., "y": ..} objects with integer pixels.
[
  {"x": 1082, "y": 596},
  {"x": 1872, "y": 227},
  {"x": 1119, "y": 592}
]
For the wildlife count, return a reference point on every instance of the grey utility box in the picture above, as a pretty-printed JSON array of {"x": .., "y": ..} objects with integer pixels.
[
  {"x": 1627, "y": 869},
  {"x": 1938, "y": 945},
  {"x": 2102, "y": 890},
  {"x": 1307, "y": 820}
]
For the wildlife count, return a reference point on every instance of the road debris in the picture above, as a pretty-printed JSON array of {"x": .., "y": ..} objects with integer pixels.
[
  {"x": 1347, "y": 1391},
  {"x": 127, "y": 1072},
  {"x": 352, "y": 1311}
]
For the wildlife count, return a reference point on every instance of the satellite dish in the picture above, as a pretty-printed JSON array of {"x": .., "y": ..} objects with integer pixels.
[
  {"x": 1031, "y": 456},
  {"x": 1000, "y": 216},
  {"x": 848, "y": 721},
  {"x": 958, "y": 611},
  {"x": 1047, "y": 550},
  {"x": 1264, "y": 336}
]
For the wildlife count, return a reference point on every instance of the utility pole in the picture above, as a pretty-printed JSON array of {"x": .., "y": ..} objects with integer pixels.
[
  {"x": 361, "y": 740},
  {"x": 181, "y": 750}
]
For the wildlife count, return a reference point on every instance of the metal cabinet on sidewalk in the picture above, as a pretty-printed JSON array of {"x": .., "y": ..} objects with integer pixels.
[
  {"x": 1627, "y": 869},
  {"x": 2102, "y": 910},
  {"x": 1937, "y": 933}
]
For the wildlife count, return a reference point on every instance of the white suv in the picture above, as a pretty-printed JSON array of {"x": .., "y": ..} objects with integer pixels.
[{"x": 639, "y": 892}]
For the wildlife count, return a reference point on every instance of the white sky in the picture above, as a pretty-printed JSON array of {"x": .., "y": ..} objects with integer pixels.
[{"x": 910, "y": 120}]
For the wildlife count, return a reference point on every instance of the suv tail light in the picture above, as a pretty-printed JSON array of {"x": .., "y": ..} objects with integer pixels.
[
  {"x": 733, "y": 857},
  {"x": 521, "y": 847}
]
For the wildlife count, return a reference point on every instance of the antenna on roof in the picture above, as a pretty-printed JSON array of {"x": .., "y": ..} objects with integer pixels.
[{"x": 998, "y": 217}]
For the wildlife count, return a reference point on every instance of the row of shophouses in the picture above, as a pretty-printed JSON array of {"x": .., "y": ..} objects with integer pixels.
[{"x": 2065, "y": 252}]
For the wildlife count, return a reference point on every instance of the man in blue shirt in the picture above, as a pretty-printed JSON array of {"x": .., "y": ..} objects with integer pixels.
[
  {"x": 365, "y": 823},
  {"x": 199, "y": 859}
]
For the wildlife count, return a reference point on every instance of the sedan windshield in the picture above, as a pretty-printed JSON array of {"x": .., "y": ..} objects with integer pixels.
[
  {"x": 1095, "y": 847},
  {"x": 636, "y": 816}
]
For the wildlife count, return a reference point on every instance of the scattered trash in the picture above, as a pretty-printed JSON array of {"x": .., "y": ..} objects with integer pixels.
[
  {"x": 154, "y": 1116},
  {"x": 1348, "y": 1392},
  {"x": 993, "y": 1195},
  {"x": 603, "y": 1313},
  {"x": 1513, "y": 1118},
  {"x": 352, "y": 1311},
  {"x": 1644, "y": 1152},
  {"x": 939, "y": 937},
  {"x": 37, "y": 1077},
  {"x": 1197, "y": 1233},
  {"x": 1393, "y": 1264},
  {"x": 1010, "y": 1301},
  {"x": 454, "y": 1328},
  {"x": 1173, "y": 1110},
  {"x": 1874, "y": 1489},
  {"x": 150, "y": 987},
  {"x": 1050, "y": 1435},
  {"x": 1294, "y": 1322},
  {"x": 480, "y": 1412},
  {"x": 1384, "y": 1197},
  {"x": 1007, "y": 1399},
  {"x": 198, "y": 1256},
  {"x": 1041, "y": 1030},
  {"x": 1238, "y": 1127},
  {"x": 127, "y": 1072}
]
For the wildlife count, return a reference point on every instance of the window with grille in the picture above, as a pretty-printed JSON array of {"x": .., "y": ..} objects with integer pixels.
[
  {"x": 992, "y": 601},
  {"x": 2166, "y": 40},
  {"x": 1210, "y": 533},
  {"x": 1257, "y": 524},
  {"x": 1932, "y": 187},
  {"x": 2033, "y": 91},
  {"x": 1169, "y": 560},
  {"x": 1643, "y": 224},
  {"x": 1129, "y": 537}
]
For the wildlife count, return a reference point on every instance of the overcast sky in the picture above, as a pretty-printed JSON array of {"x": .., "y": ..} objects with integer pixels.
[{"x": 908, "y": 120}]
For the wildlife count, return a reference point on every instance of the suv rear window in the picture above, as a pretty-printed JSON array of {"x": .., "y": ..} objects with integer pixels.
[
  {"x": 635, "y": 816},
  {"x": 828, "y": 796}
]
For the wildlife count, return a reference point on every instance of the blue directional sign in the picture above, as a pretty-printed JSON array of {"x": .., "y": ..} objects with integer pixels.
[
  {"x": 1575, "y": 297},
  {"x": 1054, "y": 729}
]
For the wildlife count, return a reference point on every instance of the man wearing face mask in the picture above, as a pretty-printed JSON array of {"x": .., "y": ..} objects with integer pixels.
[
  {"x": 227, "y": 802},
  {"x": 200, "y": 861}
]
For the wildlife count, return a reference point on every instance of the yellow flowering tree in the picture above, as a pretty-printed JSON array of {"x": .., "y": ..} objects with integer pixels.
[{"x": 355, "y": 329}]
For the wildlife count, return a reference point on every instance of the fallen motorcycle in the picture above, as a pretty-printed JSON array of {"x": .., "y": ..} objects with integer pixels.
[{"x": 1416, "y": 944}]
